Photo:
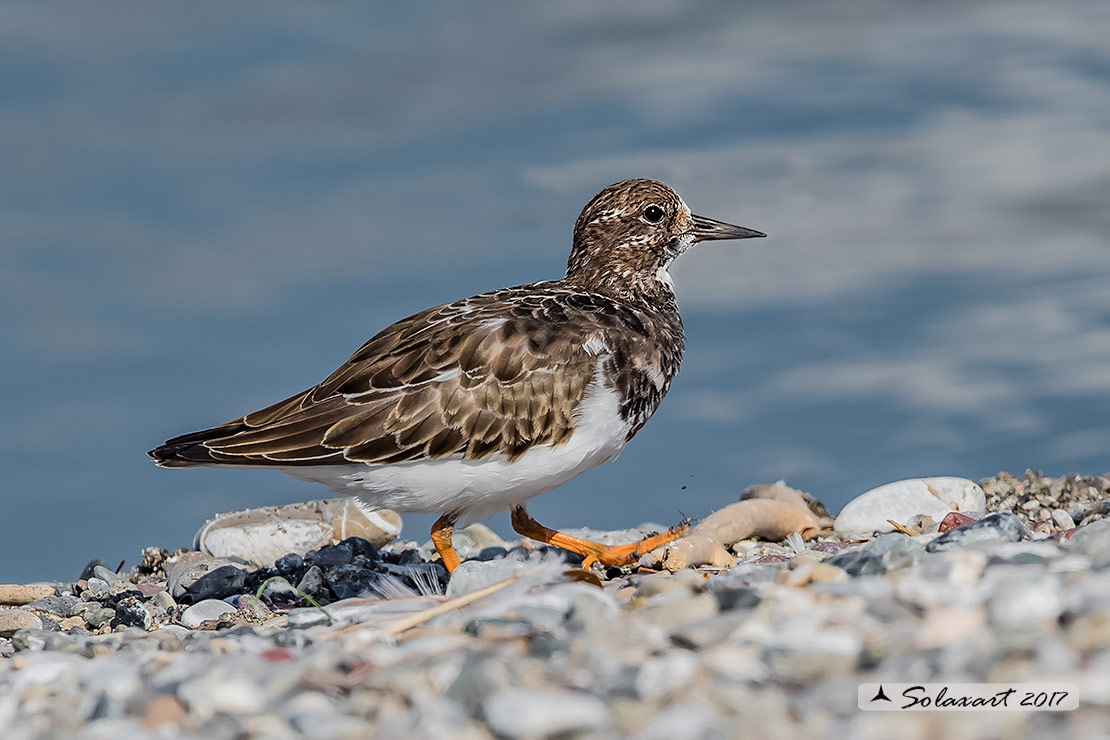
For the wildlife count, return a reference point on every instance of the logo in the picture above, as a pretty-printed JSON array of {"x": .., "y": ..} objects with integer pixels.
[{"x": 967, "y": 697}]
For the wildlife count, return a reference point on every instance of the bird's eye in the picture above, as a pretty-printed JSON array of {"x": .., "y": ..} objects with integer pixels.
[{"x": 653, "y": 214}]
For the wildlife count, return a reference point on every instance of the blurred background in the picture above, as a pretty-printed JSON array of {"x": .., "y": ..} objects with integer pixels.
[{"x": 205, "y": 207}]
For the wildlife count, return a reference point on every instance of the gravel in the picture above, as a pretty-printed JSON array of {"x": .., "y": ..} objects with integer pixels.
[{"x": 355, "y": 640}]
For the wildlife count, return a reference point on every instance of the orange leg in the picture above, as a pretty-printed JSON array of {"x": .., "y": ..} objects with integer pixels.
[
  {"x": 594, "y": 552},
  {"x": 441, "y": 538}
]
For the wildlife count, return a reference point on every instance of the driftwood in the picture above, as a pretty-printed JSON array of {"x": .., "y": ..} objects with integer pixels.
[{"x": 766, "y": 518}]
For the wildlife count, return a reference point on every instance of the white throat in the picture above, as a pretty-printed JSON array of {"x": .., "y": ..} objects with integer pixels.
[{"x": 663, "y": 275}]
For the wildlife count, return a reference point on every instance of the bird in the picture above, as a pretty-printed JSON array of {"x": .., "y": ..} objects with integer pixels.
[{"x": 477, "y": 406}]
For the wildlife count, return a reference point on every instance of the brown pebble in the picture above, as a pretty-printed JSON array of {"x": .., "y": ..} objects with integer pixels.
[
  {"x": 15, "y": 594},
  {"x": 13, "y": 620},
  {"x": 70, "y": 622},
  {"x": 954, "y": 520},
  {"x": 161, "y": 710},
  {"x": 812, "y": 572}
]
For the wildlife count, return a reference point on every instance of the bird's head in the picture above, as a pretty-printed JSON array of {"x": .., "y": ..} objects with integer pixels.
[{"x": 631, "y": 232}]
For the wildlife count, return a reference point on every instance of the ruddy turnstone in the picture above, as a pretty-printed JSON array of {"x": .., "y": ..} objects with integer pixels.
[{"x": 479, "y": 405}]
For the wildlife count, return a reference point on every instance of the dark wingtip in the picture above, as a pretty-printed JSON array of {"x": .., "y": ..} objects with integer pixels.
[
  {"x": 188, "y": 450},
  {"x": 166, "y": 456}
]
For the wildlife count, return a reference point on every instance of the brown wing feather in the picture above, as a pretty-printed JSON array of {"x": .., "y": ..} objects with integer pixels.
[{"x": 458, "y": 379}]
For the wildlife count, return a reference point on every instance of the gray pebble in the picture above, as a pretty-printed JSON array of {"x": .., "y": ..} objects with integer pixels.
[
  {"x": 897, "y": 550},
  {"x": 999, "y": 527},
  {"x": 96, "y": 590},
  {"x": 62, "y": 606},
  {"x": 519, "y": 713},
  {"x": 100, "y": 616},
  {"x": 59, "y": 642},
  {"x": 217, "y": 583},
  {"x": 859, "y": 562},
  {"x": 132, "y": 612},
  {"x": 107, "y": 575},
  {"x": 736, "y": 597},
  {"x": 1093, "y": 540},
  {"x": 122, "y": 586},
  {"x": 163, "y": 600},
  {"x": 312, "y": 582},
  {"x": 479, "y": 677},
  {"x": 30, "y": 640},
  {"x": 204, "y": 611}
]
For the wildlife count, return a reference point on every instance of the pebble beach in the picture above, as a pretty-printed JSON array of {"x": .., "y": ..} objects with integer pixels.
[{"x": 357, "y": 632}]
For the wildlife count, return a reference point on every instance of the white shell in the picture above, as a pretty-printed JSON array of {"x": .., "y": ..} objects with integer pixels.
[
  {"x": 261, "y": 536},
  {"x": 902, "y": 500}
]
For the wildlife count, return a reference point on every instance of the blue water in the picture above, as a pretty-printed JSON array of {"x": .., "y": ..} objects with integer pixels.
[{"x": 204, "y": 208}]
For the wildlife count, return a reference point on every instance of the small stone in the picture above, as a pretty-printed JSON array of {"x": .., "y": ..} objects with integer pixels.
[
  {"x": 943, "y": 580},
  {"x": 1020, "y": 603},
  {"x": 495, "y": 552},
  {"x": 106, "y": 574},
  {"x": 30, "y": 640},
  {"x": 902, "y": 500},
  {"x": 711, "y": 632},
  {"x": 1063, "y": 519},
  {"x": 947, "y": 626},
  {"x": 361, "y": 547},
  {"x": 1093, "y": 540},
  {"x": 163, "y": 709},
  {"x": 896, "y": 549},
  {"x": 472, "y": 575},
  {"x": 998, "y": 527},
  {"x": 312, "y": 582},
  {"x": 96, "y": 589},
  {"x": 330, "y": 555},
  {"x": 671, "y": 611},
  {"x": 131, "y": 612},
  {"x": 207, "y": 695},
  {"x": 658, "y": 583},
  {"x": 479, "y": 677},
  {"x": 349, "y": 581},
  {"x": 858, "y": 562},
  {"x": 59, "y": 642},
  {"x": 100, "y": 616},
  {"x": 289, "y": 564},
  {"x": 520, "y": 713},
  {"x": 87, "y": 571},
  {"x": 472, "y": 539},
  {"x": 215, "y": 584},
  {"x": 18, "y": 594},
  {"x": 813, "y": 572},
  {"x": 953, "y": 520},
  {"x": 660, "y": 678},
  {"x": 122, "y": 586},
  {"x": 209, "y": 610},
  {"x": 13, "y": 620},
  {"x": 66, "y": 605},
  {"x": 163, "y": 600},
  {"x": 730, "y": 598}
]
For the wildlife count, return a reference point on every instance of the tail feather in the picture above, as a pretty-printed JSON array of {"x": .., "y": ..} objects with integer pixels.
[{"x": 189, "y": 450}]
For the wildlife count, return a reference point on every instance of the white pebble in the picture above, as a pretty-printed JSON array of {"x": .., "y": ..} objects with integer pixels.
[
  {"x": 205, "y": 611},
  {"x": 539, "y": 713},
  {"x": 902, "y": 500}
]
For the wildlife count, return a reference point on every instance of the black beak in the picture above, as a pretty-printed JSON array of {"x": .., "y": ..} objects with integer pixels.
[{"x": 706, "y": 229}]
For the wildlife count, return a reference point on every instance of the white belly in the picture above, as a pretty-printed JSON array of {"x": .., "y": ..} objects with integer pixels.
[{"x": 477, "y": 489}]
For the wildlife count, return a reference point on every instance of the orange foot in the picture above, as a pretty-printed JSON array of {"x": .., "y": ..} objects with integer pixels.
[
  {"x": 441, "y": 538},
  {"x": 594, "y": 552}
]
